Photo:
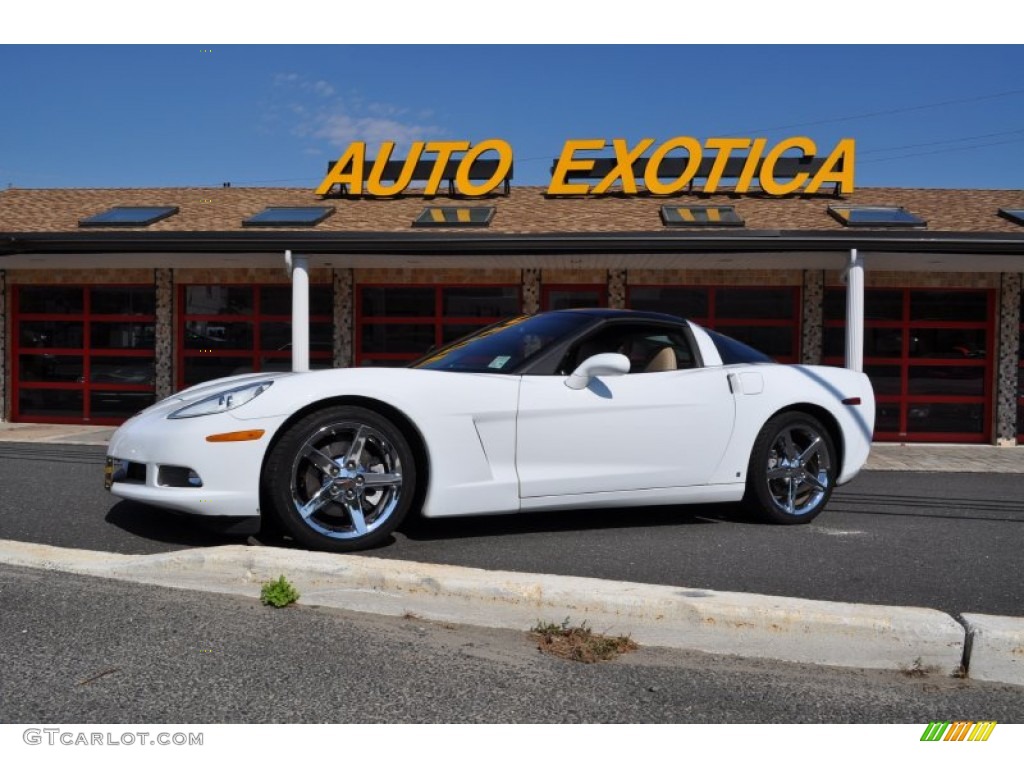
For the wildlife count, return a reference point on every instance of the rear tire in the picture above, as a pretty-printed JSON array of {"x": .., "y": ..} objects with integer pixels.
[
  {"x": 792, "y": 470},
  {"x": 340, "y": 479}
]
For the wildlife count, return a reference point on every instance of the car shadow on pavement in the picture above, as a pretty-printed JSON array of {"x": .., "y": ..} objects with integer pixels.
[
  {"x": 179, "y": 530},
  {"x": 164, "y": 526},
  {"x": 419, "y": 528}
]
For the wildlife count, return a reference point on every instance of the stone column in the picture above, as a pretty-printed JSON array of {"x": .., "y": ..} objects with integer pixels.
[
  {"x": 164, "y": 352},
  {"x": 531, "y": 291},
  {"x": 1007, "y": 365},
  {"x": 813, "y": 323},
  {"x": 5, "y": 369},
  {"x": 617, "y": 288},
  {"x": 344, "y": 312}
]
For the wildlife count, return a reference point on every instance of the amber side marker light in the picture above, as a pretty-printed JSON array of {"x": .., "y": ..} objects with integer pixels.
[
  {"x": 236, "y": 437},
  {"x": 847, "y": 401}
]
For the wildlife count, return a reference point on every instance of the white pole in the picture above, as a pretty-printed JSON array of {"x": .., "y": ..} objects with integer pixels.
[
  {"x": 855, "y": 312},
  {"x": 299, "y": 266}
]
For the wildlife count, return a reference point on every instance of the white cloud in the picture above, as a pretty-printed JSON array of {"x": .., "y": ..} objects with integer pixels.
[
  {"x": 343, "y": 129},
  {"x": 316, "y": 111}
]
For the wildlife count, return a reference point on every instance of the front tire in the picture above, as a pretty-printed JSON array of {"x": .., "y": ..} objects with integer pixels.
[
  {"x": 792, "y": 470},
  {"x": 340, "y": 479}
]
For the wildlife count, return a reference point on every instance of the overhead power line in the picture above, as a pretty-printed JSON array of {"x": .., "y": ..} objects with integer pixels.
[
  {"x": 885, "y": 112},
  {"x": 940, "y": 151},
  {"x": 862, "y": 152}
]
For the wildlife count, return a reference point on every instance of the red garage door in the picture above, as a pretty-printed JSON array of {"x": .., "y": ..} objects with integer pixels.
[
  {"x": 929, "y": 354},
  {"x": 765, "y": 318},
  {"x": 82, "y": 354}
]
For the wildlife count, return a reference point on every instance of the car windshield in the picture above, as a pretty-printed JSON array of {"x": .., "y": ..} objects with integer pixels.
[{"x": 504, "y": 346}]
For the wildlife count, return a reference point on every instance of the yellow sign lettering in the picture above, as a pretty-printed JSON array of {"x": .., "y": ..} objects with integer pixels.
[
  {"x": 623, "y": 169},
  {"x": 354, "y": 156},
  {"x": 750, "y": 167},
  {"x": 444, "y": 150},
  {"x": 843, "y": 156},
  {"x": 462, "y": 180},
  {"x": 374, "y": 184},
  {"x": 724, "y": 147},
  {"x": 566, "y": 162},
  {"x": 652, "y": 176},
  {"x": 768, "y": 183},
  {"x": 770, "y": 166}
]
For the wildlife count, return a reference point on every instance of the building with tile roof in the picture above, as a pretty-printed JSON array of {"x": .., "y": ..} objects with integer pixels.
[{"x": 101, "y": 314}]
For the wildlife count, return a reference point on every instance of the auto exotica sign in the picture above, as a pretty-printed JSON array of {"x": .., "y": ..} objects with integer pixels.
[{"x": 642, "y": 167}]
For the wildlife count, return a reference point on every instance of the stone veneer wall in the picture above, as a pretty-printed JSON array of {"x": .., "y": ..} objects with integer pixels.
[
  {"x": 880, "y": 279},
  {"x": 573, "y": 277},
  {"x": 759, "y": 277},
  {"x": 434, "y": 276},
  {"x": 617, "y": 288},
  {"x": 813, "y": 316},
  {"x": 344, "y": 315},
  {"x": 140, "y": 276},
  {"x": 1008, "y": 368},
  {"x": 531, "y": 291},
  {"x": 4, "y": 367},
  {"x": 164, "y": 332}
]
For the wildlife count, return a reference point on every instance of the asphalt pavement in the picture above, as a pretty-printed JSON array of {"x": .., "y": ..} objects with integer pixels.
[
  {"x": 944, "y": 540},
  {"x": 939, "y": 534},
  {"x": 175, "y": 656}
]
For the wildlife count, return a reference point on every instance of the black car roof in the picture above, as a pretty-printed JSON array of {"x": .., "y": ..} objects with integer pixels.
[{"x": 607, "y": 312}]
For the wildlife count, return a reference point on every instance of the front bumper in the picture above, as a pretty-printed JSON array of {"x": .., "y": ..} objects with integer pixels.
[{"x": 170, "y": 463}]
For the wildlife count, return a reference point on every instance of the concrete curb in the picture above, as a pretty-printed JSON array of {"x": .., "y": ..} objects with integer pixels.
[
  {"x": 996, "y": 647},
  {"x": 789, "y": 629}
]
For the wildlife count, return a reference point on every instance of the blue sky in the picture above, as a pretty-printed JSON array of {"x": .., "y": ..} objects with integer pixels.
[{"x": 203, "y": 114}]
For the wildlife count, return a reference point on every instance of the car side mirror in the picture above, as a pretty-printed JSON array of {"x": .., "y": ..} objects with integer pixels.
[{"x": 604, "y": 364}]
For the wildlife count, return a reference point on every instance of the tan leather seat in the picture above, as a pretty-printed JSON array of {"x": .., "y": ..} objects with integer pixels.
[{"x": 665, "y": 360}]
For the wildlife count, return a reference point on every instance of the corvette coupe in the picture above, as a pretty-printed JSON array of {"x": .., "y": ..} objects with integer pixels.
[{"x": 558, "y": 410}]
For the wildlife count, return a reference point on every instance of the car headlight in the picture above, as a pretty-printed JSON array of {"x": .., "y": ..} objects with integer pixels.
[{"x": 220, "y": 402}]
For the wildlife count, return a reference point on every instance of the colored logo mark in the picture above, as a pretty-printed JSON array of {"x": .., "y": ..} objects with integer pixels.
[{"x": 960, "y": 730}]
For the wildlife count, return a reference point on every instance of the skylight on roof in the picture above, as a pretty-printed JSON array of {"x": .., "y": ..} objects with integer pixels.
[
  {"x": 129, "y": 216},
  {"x": 874, "y": 216},
  {"x": 289, "y": 217},
  {"x": 1016, "y": 215},
  {"x": 455, "y": 216},
  {"x": 700, "y": 216}
]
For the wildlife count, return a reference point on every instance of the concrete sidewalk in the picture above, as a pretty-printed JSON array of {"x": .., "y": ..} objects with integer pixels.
[
  {"x": 916, "y": 457},
  {"x": 910, "y": 640}
]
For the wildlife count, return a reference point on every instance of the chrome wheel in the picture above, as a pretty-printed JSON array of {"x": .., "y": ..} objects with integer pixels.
[
  {"x": 799, "y": 470},
  {"x": 792, "y": 469},
  {"x": 340, "y": 479},
  {"x": 346, "y": 480}
]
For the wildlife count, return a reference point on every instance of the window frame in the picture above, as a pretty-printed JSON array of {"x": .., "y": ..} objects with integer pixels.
[
  {"x": 254, "y": 355},
  {"x": 426, "y": 220},
  {"x": 437, "y": 320},
  {"x": 160, "y": 212},
  {"x": 87, "y": 352},
  {"x": 905, "y": 361},
  {"x": 732, "y": 216},
  {"x": 915, "y": 222}
]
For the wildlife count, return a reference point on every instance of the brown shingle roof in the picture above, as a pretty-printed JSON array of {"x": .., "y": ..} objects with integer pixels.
[{"x": 525, "y": 210}]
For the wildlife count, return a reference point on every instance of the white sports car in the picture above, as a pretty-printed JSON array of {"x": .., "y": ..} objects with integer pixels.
[{"x": 567, "y": 409}]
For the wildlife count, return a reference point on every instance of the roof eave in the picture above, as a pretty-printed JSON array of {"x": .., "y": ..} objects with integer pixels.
[{"x": 458, "y": 243}]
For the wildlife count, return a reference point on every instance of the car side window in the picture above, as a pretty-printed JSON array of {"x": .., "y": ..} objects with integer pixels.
[{"x": 650, "y": 348}]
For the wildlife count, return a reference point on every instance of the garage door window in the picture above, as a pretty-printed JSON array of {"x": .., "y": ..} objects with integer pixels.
[
  {"x": 83, "y": 354},
  {"x": 767, "y": 319},
  {"x": 398, "y": 323},
  {"x": 225, "y": 330},
  {"x": 928, "y": 354}
]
